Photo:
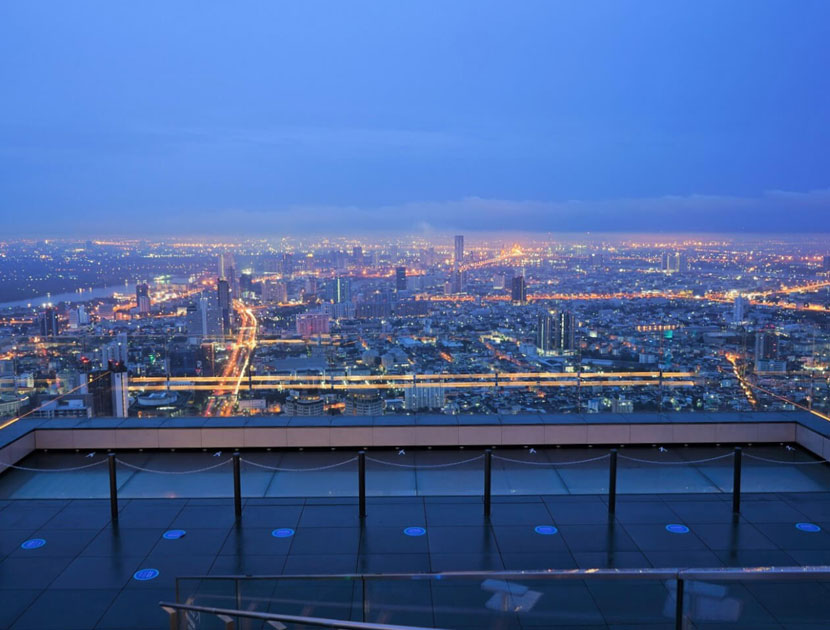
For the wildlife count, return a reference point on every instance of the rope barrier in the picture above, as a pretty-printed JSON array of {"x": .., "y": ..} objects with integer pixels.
[
  {"x": 778, "y": 461},
  {"x": 172, "y": 472},
  {"x": 396, "y": 465},
  {"x": 98, "y": 463},
  {"x": 579, "y": 461},
  {"x": 683, "y": 463},
  {"x": 278, "y": 469}
]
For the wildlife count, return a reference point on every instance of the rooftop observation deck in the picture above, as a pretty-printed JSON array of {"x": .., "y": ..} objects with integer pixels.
[{"x": 66, "y": 563}]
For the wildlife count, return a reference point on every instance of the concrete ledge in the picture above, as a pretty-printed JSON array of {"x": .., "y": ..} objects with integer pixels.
[{"x": 21, "y": 438}]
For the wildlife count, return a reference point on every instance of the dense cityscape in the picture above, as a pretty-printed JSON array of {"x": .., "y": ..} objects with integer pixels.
[{"x": 455, "y": 324}]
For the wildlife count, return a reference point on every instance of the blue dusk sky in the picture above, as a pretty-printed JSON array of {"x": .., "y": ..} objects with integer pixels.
[{"x": 270, "y": 118}]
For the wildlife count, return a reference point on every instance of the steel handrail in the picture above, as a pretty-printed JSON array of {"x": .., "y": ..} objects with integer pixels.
[
  {"x": 723, "y": 573},
  {"x": 172, "y": 609},
  {"x": 678, "y": 576}
]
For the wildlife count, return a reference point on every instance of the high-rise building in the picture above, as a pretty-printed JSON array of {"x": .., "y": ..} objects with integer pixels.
[
  {"x": 193, "y": 323},
  {"x": 78, "y": 317},
  {"x": 740, "y": 309},
  {"x": 310, "y": 324},
  {"x": 120, "y": 393},
  {"x": 357, "y": 256},
  {"x": 142, "y": 298},
  {"x": 766, "y": 345},
  {"x": 246, "y": 283},
  {"x": 274, "y": 292},
  {"x": 227, "y": 271},
  {"x": 674, "y": 262},
  {"x": 518, "y": 290},
  {"x": 459, "y": 251},
  {"x": 564, "y": 337},
  {"x": 224, "y": 296},
  {"x": 341, "y": 290},
  {"x": 416, "y": 397},
  {"x": 48, "y": 322},
  {"x": 400, "y": 279},
  {"x": 364, "y": 403},
  {"x": 825, "y": 263},
  {"x": 544, "y": 332},
  {"x": 766, "y": 353},
  {"x": 109, "y": 391}
]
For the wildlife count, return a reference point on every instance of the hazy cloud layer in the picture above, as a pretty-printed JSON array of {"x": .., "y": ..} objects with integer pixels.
[{"x": 772, "y": 212}]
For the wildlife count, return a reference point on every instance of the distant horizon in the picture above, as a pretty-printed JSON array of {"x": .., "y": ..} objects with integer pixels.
[{"x": 471, "y": 236}]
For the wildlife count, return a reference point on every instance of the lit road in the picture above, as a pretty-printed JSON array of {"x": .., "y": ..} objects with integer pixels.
[
  {"x": 226, "y": 387},
  {"x": 224, "y": 384}
]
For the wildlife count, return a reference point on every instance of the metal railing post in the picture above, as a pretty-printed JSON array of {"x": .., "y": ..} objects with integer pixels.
[
  {"x": 678, "y": 607},
  {"x": 612, "y": 482},
  {"x": 488, "y": 467},
  {"x": 736, "y": 481},
  {"x": 361, "y": 482},
  {"x": 113, "y": 488},
  {"x": 237, "y": 487}
]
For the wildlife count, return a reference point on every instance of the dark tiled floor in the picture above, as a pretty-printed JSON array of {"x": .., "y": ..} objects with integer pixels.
[{"x": 83, "y": 576}]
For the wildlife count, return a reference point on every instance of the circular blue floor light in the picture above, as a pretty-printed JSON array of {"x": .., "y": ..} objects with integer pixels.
[
  {"x": 283, "y": 532},
  {"x": 676, "y": 528},
  {"x": 414, "y": 531},
  {"x": 173, "y": 534},
  {"x": 33, "y": 543},
  {"x": 142, "y": 575},
  {"x": 545, "y": 530},
  {"x": 808, "y": 527}
]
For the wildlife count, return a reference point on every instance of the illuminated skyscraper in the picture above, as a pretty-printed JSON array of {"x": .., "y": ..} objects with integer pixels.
[
  {"x": 109, "y": 391},
  {"x": 224, "y": 295},
  {"x": 274, "y": 292},
  {"x": 142, "y": 298},
  {"x": 544, "y": 332},
  {"x": 740, "y": 309},
  {"x": 518, "y": 290},
  {"x": 400, "y": 278},
  {"x": 563, "y": 332},
  {"x": 341, "y": 290},
  {"x": 825, "y": 263},
  {"x": 48, "y": 323},
  {"x": 459, "y": 251},
  {"x": 674, "y": 262},
  {"x": 766, "y": 352}
]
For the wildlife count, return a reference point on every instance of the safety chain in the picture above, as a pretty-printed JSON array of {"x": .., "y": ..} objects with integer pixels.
[
  {"x": 683, "y": 463},
  {"x": 279, "y": 469},
  {"x": 778, "y": 461},
  {"x": 172, "y": 472},
  {"x": 98, "y": 463},
  {"x": 396, "y": 465},
  {"x": 579, "y": 461}
]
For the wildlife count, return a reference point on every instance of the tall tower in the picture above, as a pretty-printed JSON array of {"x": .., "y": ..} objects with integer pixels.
[
  {"x": 48, "y": 322},
  {"x": 740, "y": 309},
  {"x": 224, "y": 294},
  {"x": 544, "y": 332},
  {"x": 342, "y": 290},
  {"x": 400, "y": 279},
  {"x": 563, "y": 332},
  {"x": 518, "y": 290},
  {"x": 457, "y": 279},
  {"x": 142, "y": 298}
]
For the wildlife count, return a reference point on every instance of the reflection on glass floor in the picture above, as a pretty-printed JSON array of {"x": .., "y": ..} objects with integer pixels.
[
  {"x": 508, "y": 601},
  {"x": 415, "y": 472}
]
